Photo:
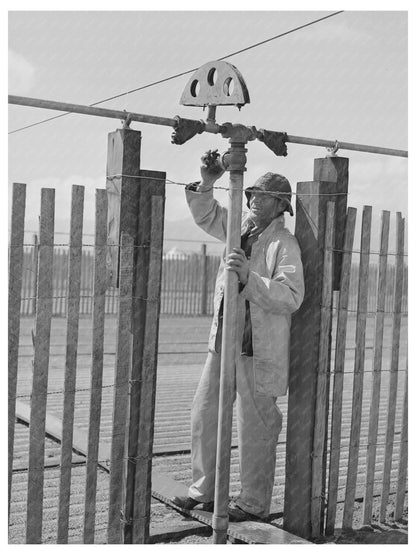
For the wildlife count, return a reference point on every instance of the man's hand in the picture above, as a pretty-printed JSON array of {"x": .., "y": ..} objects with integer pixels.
[
  {"x": 211, "y": 169},
  {"x": 237, "y": 262}
]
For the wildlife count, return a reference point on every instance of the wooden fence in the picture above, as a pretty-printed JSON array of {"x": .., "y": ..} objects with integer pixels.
[
  {"x": 54, "y": 293},
  {"x": 366, "y": 392},
  {"x": 188, "y": 282},
  {"x": 368, "y": 318}
]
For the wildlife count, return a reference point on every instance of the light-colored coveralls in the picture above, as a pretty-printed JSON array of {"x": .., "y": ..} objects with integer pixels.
[{"x": 275, "y": 289}]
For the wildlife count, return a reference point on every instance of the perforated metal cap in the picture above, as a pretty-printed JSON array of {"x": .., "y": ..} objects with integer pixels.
[{"x": 216, "y": 83}]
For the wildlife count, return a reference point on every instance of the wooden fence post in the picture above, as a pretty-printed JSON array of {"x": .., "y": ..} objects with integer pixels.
[
  {"x": 204, "y": 279},
  {"x": 331, "y": 184},
  {"x": 130, "y": 192},
  {"x": 321, "y": 415},
  {"x": 121, "y": 393}
]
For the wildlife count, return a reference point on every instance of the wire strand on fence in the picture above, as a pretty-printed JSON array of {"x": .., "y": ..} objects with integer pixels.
[{"x": 216, "y": 187}]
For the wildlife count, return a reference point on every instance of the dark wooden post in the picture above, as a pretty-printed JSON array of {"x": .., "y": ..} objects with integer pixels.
[
  {"x": 131, "y": 192},
  {"x": 330, "y": 184},
  {"x": 204, "y": 279}
]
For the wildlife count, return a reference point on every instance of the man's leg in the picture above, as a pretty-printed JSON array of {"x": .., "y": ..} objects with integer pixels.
[
  {"x": 259, "y": 423},
  {"x": 204, "y": 421}
]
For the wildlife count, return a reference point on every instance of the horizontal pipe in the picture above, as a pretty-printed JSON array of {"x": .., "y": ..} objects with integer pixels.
[
  {"x": 346, "y": 146},
  {"x": 170, "y": 122},
  {"x": 90, "y": 110}
]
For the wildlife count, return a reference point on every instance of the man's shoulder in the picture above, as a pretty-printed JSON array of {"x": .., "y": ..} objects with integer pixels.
[{"x": 282, "y": 235}]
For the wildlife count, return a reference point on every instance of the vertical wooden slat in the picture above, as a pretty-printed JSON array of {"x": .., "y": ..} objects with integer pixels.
[
  {"x": 73, "y": 293},
  {"x": 377, "y": 362},
  {"x": 15, "y": 291},
  {"x": 35, "y": 271},
  {"x": 40, "y": 369},
  {"x": 97, "y": 362},
  {"x": 142, "y": 484},
  {"x": 357, "y": 395},
  {"x": 402, "y": 473},
  {"x": 339, "y": 362},
  {"x": 317, "y": 491},
  {"x": 394, "y": 366},
  {"x": 121, "y": 391}
]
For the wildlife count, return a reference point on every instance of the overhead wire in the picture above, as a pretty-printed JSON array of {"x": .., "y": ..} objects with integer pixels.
[{"x": 175, "y": 76}]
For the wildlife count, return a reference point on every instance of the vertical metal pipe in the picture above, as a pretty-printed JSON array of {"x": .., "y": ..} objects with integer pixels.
[{"x": 228, "y": 353}]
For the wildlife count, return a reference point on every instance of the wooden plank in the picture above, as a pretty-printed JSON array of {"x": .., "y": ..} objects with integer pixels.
[
  {"x": 142, "y": 484},
  {"x": 53, "y": 429},
  {"x": 160, "y": 532},
  {"x": 339, "y": 362},
  {"x": 311, "y": 200},
  {"x": 357, "y": 394},
  {"x": 164, "y": 488},
  {"x": 15, "y": 293},
  {"x": 403, "y": 456},
  {"x": 40, "y": 369},
  {"x": 394, "y": 365},
  {"x": 121, "y": 391},
  {"x": 98, "y": 317},
  {"x": 321, "y": 416},
  {"x": 377, "y": 364},
  {"x": 73, "y": 292}
]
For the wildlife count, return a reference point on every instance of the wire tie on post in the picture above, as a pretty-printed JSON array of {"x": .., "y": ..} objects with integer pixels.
[
  {"x": 126, "y": 121},
  {"x": 332, "y": 151}
]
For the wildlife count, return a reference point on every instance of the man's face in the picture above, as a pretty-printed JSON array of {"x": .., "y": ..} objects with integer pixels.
[{"x": 264, "y": 208}]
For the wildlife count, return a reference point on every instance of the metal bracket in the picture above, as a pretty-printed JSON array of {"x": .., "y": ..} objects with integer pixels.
[
  {"x": 274, "y": 140},
  {"x": 185, "y": 129},
  {"x": 126, "y": 121},
  {"x": 216, "y": 83},
  {"x": 332, "y": 151}
]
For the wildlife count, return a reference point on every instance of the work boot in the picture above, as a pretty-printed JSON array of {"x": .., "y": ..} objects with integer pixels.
[
  {"x": 185, "y": 502},
  {"x": 237, "y": 514},
  {"x": 188, "y": 503}
]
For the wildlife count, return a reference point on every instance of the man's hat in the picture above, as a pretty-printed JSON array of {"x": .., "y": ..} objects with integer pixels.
[{"x": 275, "y": 185}]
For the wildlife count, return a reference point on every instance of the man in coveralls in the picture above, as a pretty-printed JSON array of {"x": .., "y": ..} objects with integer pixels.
[{"x": 271, "y": 288}]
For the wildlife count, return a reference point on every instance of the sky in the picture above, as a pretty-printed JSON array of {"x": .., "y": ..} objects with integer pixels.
[{"x": 344, "y": 78}]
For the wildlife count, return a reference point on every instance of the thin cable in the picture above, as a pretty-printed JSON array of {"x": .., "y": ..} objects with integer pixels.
[{"x": 182, "y": 73}]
